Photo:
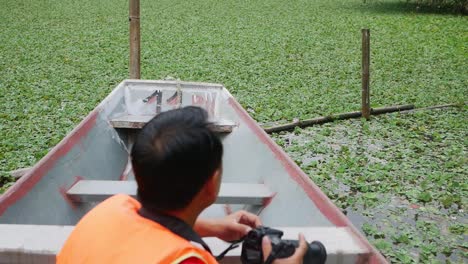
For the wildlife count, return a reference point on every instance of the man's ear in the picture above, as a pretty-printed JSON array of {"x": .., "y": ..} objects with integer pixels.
[{"x": 213, "y": 184}]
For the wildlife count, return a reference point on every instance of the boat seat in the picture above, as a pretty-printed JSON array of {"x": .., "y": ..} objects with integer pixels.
[
  {"x": 40, "y": 243},
  {"x": 136, "y": 122},
  {"x": 230, "y": 193}
]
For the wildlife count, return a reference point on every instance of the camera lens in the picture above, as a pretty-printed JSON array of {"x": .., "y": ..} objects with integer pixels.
[{"x": 316, "y": 253}]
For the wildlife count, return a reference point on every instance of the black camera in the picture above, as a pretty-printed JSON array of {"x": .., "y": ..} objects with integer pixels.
[{"x": 252, "y": 247}]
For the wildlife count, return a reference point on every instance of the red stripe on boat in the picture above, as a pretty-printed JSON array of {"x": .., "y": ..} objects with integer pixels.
[
  {"x": 28, "y": 181},
  {"x": 227, "y": 209},
  {"x": 267, "y": 201},
  {"x": 126, "y": 171}
]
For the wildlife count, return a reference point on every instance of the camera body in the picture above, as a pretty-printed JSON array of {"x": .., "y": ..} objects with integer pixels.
[{"x": 252, "y": 247}]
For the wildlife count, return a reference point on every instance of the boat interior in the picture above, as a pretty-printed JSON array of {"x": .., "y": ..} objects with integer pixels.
[{"x": 92, "y": 163}]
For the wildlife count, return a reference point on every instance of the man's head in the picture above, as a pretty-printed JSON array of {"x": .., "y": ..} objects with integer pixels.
[{"x": 174, "y": 157}]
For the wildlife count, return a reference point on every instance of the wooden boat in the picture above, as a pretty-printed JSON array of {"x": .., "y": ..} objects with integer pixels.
[{"x": 92, "y": 163}]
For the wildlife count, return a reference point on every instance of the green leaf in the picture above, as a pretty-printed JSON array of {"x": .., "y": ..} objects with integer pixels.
[
  {"x": 382, "y": 245},
  {"x": 459, "y": 229},
  {"x": 424, "y": 197}
]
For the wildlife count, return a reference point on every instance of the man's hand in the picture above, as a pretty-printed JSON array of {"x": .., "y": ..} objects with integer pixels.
[
  {"x": 296, "y": 258},
  {"x": 230, "y": 228}
]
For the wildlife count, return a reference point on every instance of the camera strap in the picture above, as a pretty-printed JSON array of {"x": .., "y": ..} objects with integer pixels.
[
  {"x": 273, "y": 254},
  {"x": 175, "y": 225},
  {"x": 183, "y": 230},
  {"x": 234, "y": 244}
]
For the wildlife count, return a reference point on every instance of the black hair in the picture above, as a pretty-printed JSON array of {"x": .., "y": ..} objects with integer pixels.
[{"x": 174, "y": 155}]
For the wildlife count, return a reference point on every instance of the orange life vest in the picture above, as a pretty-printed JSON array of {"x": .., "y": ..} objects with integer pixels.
[{"x": 114, "y": 232}]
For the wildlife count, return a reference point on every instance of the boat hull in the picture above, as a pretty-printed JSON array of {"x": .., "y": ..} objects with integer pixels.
[{"x": 95, "y": 150}]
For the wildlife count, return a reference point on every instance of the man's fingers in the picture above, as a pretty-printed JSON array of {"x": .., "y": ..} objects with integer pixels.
[
  {"x": 241, "y": 229},
  {"x": 302, "y": 249},
  {"x": 249, "y": 219},
  {"x": 266, "y": 247}
]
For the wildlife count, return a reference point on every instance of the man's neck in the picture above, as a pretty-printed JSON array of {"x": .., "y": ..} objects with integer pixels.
[
  {"x": 185, "y": 215},
  {"x": 190, "y": 213}
]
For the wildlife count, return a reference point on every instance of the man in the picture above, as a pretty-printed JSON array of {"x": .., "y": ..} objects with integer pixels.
[{"x": 177, "y": 161}]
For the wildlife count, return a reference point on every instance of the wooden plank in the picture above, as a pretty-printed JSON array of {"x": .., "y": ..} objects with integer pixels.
[
  {"x": 342, "y": 247},
  {"x": 230, "y": 193},
  {"x": 31, "y": 243},
  {"x": 137, "y": 122},
  {"x": 28, "y": 244}
]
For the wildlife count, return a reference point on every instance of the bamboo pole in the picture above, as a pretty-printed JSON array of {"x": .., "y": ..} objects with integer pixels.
[
  {"x": 134, "y": 18},
  {"x": 365, "y": 73},
  {"x": 326, "y": 119},
  {"x": 435, "y": 107}
]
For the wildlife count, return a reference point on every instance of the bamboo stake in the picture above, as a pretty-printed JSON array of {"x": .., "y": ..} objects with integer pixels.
[
  {"x": 326, "y": 119},
  {"x": 365, "y": 73},
  {"x": 134, "y": 18}
]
